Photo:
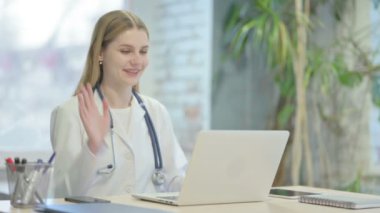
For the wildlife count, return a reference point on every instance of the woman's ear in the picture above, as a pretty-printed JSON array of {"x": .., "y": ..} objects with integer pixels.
[{"x": 100, "y": 58}]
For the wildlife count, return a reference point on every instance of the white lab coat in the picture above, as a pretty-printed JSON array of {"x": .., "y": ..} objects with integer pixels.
[{"x": 76, "y": 167}]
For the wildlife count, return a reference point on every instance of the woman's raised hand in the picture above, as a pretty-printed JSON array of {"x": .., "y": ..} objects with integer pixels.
[{"x": 95, "y": 124}]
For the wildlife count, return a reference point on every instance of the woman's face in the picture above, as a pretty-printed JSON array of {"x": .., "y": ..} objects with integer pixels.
[{"x": 125, "y": 58}]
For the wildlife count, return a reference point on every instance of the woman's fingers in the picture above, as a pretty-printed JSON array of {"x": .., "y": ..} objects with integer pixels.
[
  {"x": 95, "y": 124},
  {"x": 83, "y": 112},
  {"x": 86, "y": 98},
  {"x": 106, "y": 114},
  {"x": 81, "y": 102},
  {"x": 90, "y": 93}
]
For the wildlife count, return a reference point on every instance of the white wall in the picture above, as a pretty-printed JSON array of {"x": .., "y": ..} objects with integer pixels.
[{"x": 179, "y": 74}]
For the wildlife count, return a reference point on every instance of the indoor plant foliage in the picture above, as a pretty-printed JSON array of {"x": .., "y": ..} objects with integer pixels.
[{"x": 283, "y": 30}]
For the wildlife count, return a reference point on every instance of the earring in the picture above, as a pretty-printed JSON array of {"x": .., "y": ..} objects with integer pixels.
[{"x": 100, "y": 62}]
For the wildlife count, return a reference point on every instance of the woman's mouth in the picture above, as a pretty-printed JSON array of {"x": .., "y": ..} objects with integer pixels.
[{"x": 131, "y": 72}]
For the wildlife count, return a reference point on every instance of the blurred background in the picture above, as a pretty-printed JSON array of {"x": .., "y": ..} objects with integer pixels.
[{"x": 308, "y": 66}]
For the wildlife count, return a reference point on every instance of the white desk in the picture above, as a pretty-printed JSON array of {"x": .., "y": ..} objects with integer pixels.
[{"x": 272, "y": 205}]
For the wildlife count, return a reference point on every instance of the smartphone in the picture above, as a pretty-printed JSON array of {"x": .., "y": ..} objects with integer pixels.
[
  {"x": 85, "y": 199},
  {"x": 289, "y": 194}
]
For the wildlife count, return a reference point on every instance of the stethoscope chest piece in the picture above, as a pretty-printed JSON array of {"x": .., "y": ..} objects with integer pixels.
[{"x": 158, "y": 178}]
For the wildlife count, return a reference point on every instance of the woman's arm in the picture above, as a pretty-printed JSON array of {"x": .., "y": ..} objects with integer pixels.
[{"x": 74, "y": 165}]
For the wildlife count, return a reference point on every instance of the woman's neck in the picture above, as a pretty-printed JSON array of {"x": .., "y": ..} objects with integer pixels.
[{"x": 117, "y": 97}]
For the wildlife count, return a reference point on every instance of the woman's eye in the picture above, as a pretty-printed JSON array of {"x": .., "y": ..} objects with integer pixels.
[
  {"x": 125, "y": 51},
  {"x": 143, "y": 52}
]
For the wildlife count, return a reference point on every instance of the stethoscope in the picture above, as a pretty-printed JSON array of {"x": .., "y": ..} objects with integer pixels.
[{"x": 158, "y": 177}]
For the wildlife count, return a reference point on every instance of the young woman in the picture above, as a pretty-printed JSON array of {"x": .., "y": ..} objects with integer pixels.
[{"x": 108, "y": 138}]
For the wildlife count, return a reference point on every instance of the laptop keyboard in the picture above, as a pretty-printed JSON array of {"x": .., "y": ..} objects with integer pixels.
[{"x": 169, "y": 197}]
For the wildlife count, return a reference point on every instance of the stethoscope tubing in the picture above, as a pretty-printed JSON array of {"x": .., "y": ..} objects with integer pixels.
[
  {"x": 158, "y": 164},
  {"x": 152, "y": 134}
]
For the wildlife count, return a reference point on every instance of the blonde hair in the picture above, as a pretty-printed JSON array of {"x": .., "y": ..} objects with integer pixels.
[{"x": 107, "y": 28}]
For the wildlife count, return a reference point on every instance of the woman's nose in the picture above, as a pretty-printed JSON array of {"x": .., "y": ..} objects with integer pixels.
[{"x": 136, "y": 59}]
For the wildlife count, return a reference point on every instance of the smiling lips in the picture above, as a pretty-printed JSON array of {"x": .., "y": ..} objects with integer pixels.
[{"x": 131, "y": 72}]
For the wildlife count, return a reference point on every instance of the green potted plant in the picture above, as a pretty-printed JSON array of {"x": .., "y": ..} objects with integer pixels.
[{"x": 282, "y": 29}]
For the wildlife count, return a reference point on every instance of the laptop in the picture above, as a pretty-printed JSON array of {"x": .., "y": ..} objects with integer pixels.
[{"x": 228, "y": 167}]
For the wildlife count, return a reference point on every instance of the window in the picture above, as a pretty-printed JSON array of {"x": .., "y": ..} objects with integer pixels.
[{"x": 42, "y": 53}]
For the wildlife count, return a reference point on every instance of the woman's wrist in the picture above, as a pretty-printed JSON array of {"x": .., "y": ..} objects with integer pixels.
[{"x": 94, "y": 146}]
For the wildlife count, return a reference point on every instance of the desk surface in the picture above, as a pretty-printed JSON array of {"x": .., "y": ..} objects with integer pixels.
[{"x": 272, "y": 205}]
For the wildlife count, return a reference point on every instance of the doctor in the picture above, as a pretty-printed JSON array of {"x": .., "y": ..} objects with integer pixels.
[{"x": 109, "y": 139}]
